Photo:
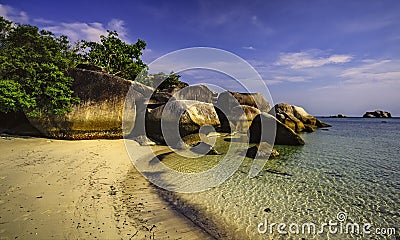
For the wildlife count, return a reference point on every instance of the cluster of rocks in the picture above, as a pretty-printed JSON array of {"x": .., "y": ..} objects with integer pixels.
[
  {"x": 377, "y": 114},
  {"x": 338, "y": 116},
  {"x": 181, "y": 117}
]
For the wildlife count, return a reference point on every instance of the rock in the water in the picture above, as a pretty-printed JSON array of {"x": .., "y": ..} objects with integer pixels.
[
  {"x": 204, "y": 149},
  {"x": 181, "y": 117},
  {"x": 296, "y": 118},
  {"x": 284, "y": 113},
  {"x": 144, "y": 141},
  {"x": 338, "y": 116},
  {"x": 266, "y": 128},
  {"x": 262, "y": 150},
  {"x": 99, "y": 113},
  {"x": 377, "y": 114},
  {"x": 228, "y": 100}
]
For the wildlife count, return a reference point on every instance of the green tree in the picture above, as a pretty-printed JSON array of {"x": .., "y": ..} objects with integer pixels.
[
  {"x": 33, "y": 64},
  {"x": 163, "y": 81},
  {"x": 113, "y": 54}
]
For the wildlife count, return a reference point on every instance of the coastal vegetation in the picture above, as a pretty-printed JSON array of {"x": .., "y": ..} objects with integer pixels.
[
  {"x": 34, "y": 66},
  {"x": 32, "y": 70}
]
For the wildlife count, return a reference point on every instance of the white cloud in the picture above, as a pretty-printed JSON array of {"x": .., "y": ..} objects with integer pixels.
[
  {"x": 74, "y": 30},
  {"x": 383, "y": 71},
  {"x": 249, "y": 48},
  {"x": 119, "y": 26},
  {"x": 43, "y": 21},
  {"x": 79, "y": 30},
  {"x": 311, "y": 58},
  {"x": 87, "y": 31},
  {"x": 13, "y": 14}
]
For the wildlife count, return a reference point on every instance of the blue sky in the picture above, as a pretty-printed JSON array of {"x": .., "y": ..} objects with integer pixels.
[{"x": 328, "y": 56}]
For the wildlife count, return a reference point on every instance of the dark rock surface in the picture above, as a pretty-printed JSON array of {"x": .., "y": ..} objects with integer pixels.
[
  {"x": 16, "y": 123},
  {"x": 377, "y": 114},
  {"x": 266, "y": 128}
]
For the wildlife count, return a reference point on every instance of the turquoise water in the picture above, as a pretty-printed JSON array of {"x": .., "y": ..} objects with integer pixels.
[{"x": 352, "y": 168}]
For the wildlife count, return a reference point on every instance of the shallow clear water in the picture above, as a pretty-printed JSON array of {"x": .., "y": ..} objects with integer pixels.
[{"x": 353, "y": 167}]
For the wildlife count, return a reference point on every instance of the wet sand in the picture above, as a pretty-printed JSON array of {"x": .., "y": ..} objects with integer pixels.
[{"x": 55, "y": 189}]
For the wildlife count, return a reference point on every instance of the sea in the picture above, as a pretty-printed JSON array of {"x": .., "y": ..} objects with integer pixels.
[{"x": 344, "y": 183}]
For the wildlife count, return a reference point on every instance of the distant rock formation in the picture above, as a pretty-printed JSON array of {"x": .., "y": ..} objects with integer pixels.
[
  {"x": 99, "y": 113},
  {"x": 296, "y": 118},
  {"x": 377, "y": 114},
  {"x": 338, "y": 116},
  {"x": 265, "y": 126}
]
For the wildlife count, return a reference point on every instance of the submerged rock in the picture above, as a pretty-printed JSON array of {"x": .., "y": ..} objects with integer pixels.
[
  {"x": 262, "y": 150},
  {"x": 144, "y": 141},
  {"x": 377, "y": 114},
  {"x": 205, "y": 149},
  {"x": 266, "y": 128}
]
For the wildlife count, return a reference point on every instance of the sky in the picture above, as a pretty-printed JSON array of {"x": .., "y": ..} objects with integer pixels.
[{"x": 328, "y": 56}]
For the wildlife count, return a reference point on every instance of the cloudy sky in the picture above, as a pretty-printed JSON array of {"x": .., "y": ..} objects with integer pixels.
[{"x": 328, "y": 56}]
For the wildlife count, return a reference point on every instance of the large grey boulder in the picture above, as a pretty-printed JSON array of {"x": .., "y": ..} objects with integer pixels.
[
  {"x": 199, "y": 93},
  {"x": 100, "y": 111},
  {"x": 179, "y": 118},
  {"x": 228, "y": 100},
  {"x": 266, "y": 128},
  {"x": 257, "y": 100},
  {"x": 296, "y": 118},
  {"x": 377, "y": 114},
  {"x": 242, "y": 117}
]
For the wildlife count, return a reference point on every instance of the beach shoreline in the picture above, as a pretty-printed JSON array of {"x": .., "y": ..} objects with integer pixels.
[{"x": 81, "y": 189}]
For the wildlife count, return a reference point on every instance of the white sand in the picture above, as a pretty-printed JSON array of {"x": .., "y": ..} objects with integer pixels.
[{"x": 81, "y": 190}]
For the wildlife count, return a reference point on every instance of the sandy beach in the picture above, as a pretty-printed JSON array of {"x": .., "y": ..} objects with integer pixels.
[{"x": 55, "y": 189}]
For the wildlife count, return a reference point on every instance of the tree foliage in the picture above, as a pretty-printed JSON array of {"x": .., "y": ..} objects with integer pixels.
[
  {"x": 33, "y": 64},
  {"x": 114, "y": 55},
  {"x": 165, "y": 81}
]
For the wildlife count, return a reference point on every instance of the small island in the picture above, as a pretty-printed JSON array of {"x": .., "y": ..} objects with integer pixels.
[
  {"x": 338, "y": 116},
  {"x": 377, "y": 114}
]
